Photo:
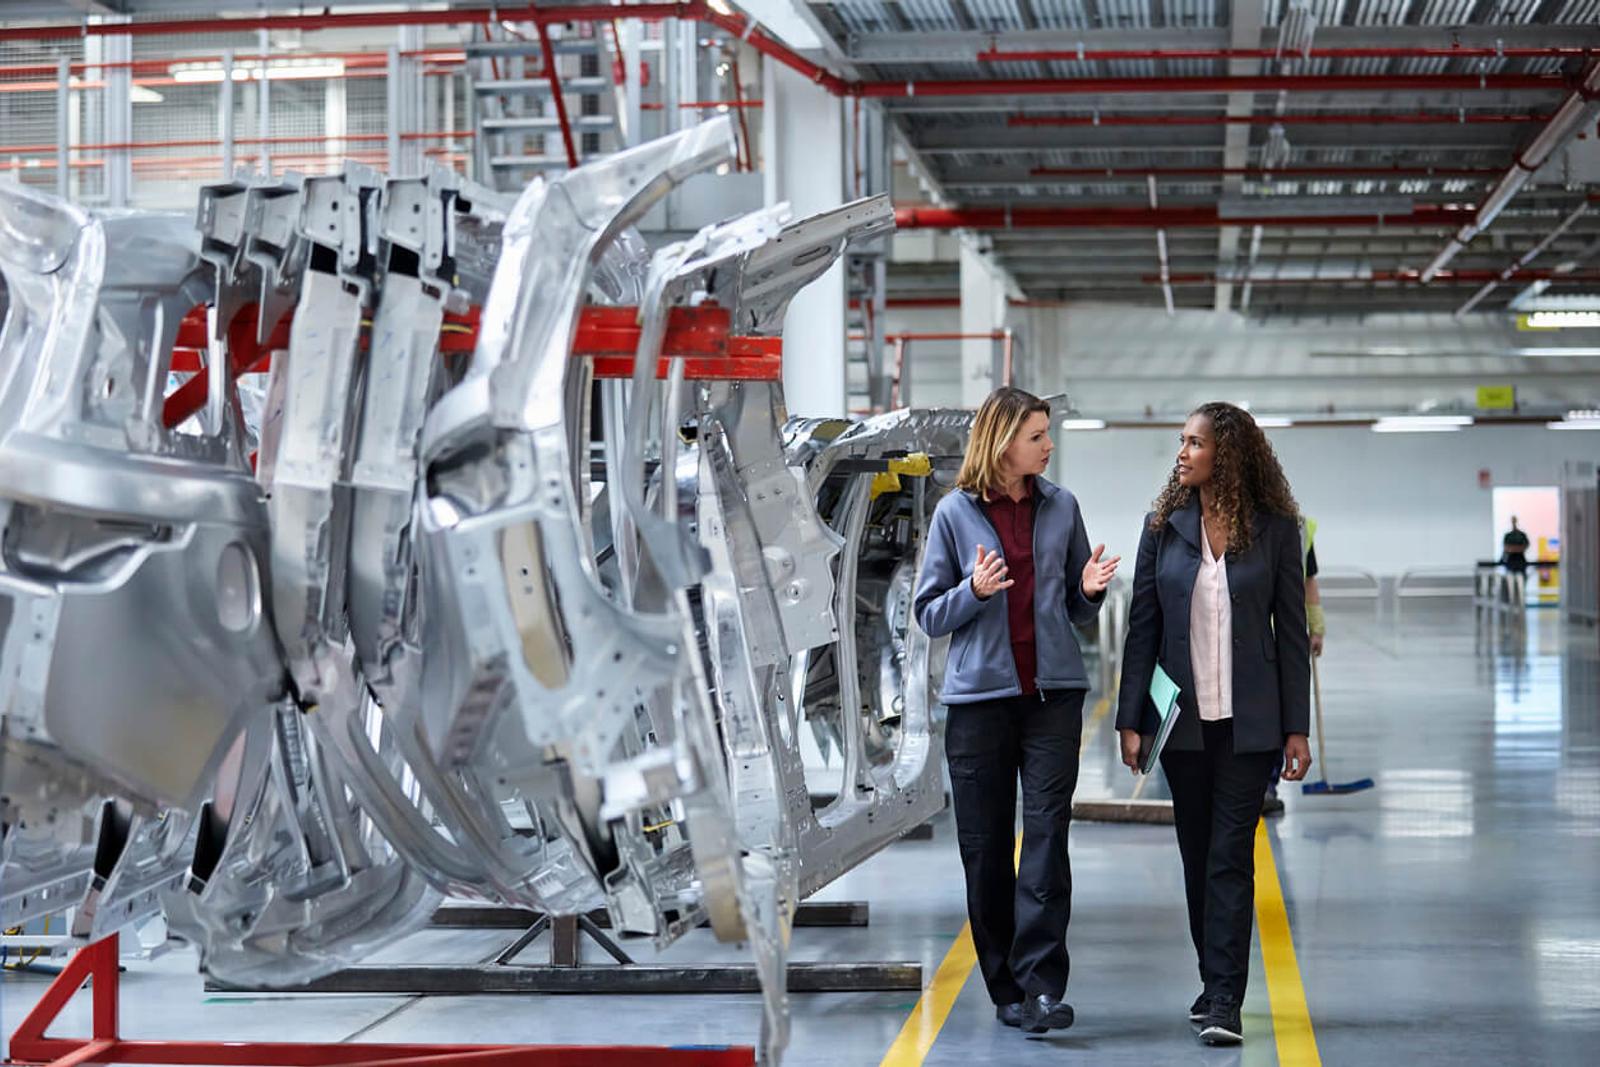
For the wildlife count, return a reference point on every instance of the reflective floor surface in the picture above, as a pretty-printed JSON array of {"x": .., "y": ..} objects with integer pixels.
[{"x": 1451, "y": 914}]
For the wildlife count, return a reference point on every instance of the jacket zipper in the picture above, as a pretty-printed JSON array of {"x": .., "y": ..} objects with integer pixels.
[
  {"x": 1034, "y": 533},
  {"x": 984, "y": 515}
]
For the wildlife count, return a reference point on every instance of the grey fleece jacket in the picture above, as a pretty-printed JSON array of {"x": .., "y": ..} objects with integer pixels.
[{"x": 980, "y": 665}]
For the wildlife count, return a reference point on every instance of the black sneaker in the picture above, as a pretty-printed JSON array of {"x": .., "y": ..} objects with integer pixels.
[
  {"x": 1221, "y": 1025},
  {"x": 1045, "y": 1012},
  {"x": 1201, "y": 1005},
  {"x": 1010, "y": 1014}
]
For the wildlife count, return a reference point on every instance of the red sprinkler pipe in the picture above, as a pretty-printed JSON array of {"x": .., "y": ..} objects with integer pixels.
[
  {"x": 1202, "y": 217},
  {"x": 1218, "y": 85},
  {"x": 995, "y": 55},
  {"x": 743, "y": 27},
  {"x": 1376, "y": 170},
  {"x": 1318, "y": 119},
  {"x": 1401, "y": 277},
  {"x": 356, "y": 20},
  {"x": 746, "y": 29}
]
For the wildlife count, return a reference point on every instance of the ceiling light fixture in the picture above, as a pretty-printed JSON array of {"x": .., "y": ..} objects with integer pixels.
[
  {"x": 1082, "y": 424},
  {"x": 1421, "y": 423},
  {"x": 1562, "y": 320}
]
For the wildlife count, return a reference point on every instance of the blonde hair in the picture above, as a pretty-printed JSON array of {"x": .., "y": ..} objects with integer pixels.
[{"x": 999, "y": 421}]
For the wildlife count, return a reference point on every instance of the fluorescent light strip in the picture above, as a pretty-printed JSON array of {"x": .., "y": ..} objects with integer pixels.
[
  {"x": 1574, "y": 424},
  {"x": 1082, "y": 424},
  {"x": 1421, "y": 423},
  {"x": 1427, "y": 420},
  {"x": 1273, "y": 422},
  {"x": 1563, "y": 320}
]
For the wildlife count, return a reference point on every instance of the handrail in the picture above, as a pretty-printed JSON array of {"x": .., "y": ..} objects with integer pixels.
[
  {"x": 1436, "y": 581},
  {"x": 1332, "y": 583}
]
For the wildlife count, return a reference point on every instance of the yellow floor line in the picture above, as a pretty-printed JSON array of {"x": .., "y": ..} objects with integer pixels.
[
  {"x": 1291, "y": 1021},
  {"x": 933, "y": 1007},
  {"x": 1089, "y": 728}
]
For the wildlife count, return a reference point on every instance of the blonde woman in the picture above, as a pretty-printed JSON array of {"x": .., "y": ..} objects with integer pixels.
[{"x": 1008, "y": 570}]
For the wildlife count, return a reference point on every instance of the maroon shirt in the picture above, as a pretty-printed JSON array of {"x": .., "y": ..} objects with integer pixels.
[{"x": 1013, "y": 521}]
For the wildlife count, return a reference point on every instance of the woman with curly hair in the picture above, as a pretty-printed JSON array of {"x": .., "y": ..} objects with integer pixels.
[{"x": 1219, "y": 603}]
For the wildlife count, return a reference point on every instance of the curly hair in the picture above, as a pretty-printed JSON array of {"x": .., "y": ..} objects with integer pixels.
[{"x": 1246, "y": 477}]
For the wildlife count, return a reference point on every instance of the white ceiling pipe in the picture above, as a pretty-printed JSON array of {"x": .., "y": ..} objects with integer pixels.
[
  {"x": 1522, "y": 261},
  {"x": 1575, "y": 112}
]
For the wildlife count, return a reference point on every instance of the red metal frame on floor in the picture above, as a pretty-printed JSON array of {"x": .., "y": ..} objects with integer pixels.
[{"x": 97, "y": 964}]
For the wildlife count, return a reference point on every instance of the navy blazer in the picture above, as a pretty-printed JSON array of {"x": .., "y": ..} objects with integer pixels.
[{"x": 1271, "y": 650}]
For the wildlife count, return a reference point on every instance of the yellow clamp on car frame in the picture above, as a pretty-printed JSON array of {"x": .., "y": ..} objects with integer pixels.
[{"x": 916, "y": 465}]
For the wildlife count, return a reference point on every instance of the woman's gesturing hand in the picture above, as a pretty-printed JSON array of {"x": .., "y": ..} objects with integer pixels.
[
  {"x": 1132, "y": 744},
  {"x": 1296, "y": 757},
  {"x": 989, "y": 574},
  {"x": 1097, "y": 573}
]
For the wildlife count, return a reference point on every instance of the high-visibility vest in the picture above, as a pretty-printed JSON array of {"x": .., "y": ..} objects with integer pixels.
[{"x": 1308, "y": 534}]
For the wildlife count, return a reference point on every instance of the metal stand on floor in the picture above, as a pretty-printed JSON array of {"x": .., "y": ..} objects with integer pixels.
[
  {"x": 97, "y": 965},
  {"x": 567, "y": 973}
]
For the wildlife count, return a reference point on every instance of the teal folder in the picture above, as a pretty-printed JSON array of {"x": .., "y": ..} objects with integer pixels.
[{"x": 1164, "y": 693}]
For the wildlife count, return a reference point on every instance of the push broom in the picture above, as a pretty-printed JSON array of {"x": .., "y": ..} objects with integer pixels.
[{"x": 1325, "y": 787}]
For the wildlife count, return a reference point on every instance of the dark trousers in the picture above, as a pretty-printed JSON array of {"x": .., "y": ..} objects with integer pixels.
[
  {"x": 1216, "y": 803},
  {"x": 1019, "y": 912}
]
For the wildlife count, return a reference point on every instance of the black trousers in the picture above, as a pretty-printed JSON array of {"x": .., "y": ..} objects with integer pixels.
[
  {"x": 1019, "y": 913},
  {"x": 1216, "y": 803}
]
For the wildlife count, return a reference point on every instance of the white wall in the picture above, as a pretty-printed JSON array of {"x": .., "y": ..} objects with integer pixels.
[
  {"x": 803, "y": 154},
  {"x": 1119, "y": 361},
  {"x": 1384, "y": 502},
  {"x": 935, "y": 365}
]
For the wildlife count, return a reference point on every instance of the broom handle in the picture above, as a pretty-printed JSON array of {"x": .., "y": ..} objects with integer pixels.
[{"x": 1316, "y": 688}]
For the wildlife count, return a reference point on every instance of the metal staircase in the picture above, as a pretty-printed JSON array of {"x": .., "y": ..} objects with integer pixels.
[
  {"x": 542, "y": 101},
  {"x": 866, "y": 380}
]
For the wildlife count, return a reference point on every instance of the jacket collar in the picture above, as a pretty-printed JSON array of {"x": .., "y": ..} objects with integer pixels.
[
  {"x": 1043, "y": 489},
  {"x": 1186, "y": 520}
]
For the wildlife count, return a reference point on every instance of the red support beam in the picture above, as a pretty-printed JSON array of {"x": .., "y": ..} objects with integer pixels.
[
  {"x": 907, "y": 303},
  {"x": 96, "y": 964},
  {"x": 557, "y": 94},
  {"x": 700, "y": 336}
]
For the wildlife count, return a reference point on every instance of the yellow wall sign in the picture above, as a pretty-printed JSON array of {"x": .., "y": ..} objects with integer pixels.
[{"x": 1497, "y": 397}]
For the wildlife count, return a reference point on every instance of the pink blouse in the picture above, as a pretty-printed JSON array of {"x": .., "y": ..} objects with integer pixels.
[{"x": 1211, "y": 635}]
